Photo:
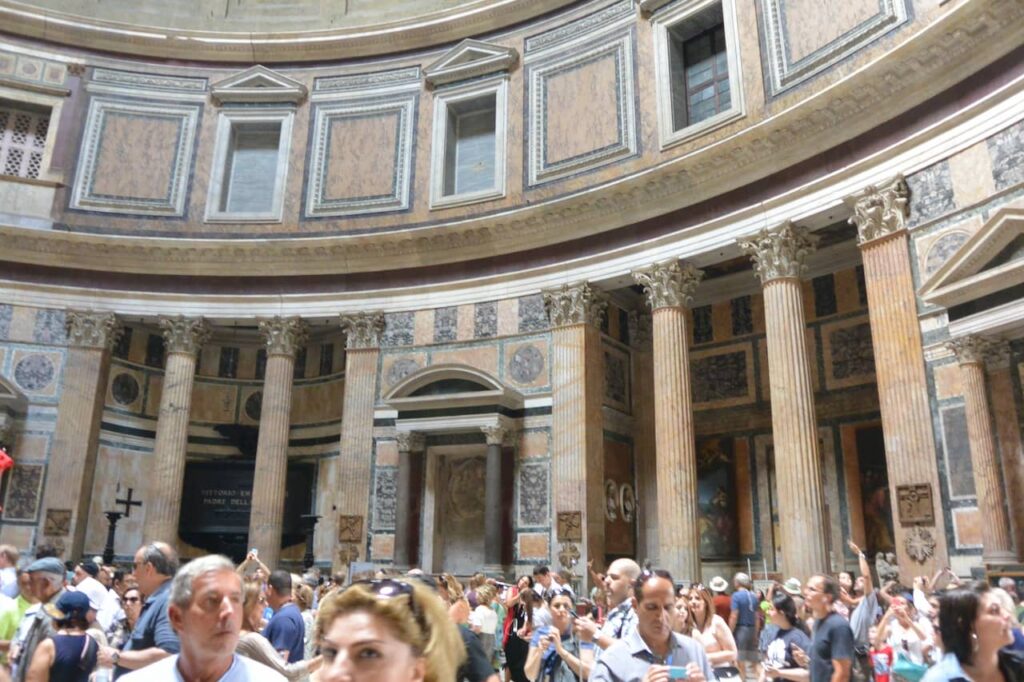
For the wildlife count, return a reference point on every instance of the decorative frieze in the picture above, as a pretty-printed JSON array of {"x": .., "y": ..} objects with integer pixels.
[
  {"x": 91, "y": 329},
  {"x": 184, "y": 334},
  {"x": 880, "y": 211},
  {"x": 284, "y": 335},
  {"x": 779, "y": 252},
  {"x": 363, "y": 330},
  {"x": 575, "y": 304},
  {"x": 669, "y": 284}
]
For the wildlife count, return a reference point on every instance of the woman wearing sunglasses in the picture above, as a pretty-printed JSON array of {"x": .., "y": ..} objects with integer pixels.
[{"x": 387, "y": 631}]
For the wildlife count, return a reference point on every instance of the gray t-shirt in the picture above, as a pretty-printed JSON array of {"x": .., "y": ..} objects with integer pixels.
[
  {"x": 628, "y": 659},
  {"x": 833, "y": 639}
]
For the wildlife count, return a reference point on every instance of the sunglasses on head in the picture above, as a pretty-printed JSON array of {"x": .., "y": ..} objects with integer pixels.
[{"x": 389, "y": 588}]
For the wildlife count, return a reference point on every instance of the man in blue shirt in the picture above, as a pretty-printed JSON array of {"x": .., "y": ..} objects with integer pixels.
[
  {"x": 743, "y": 622},
  {"x": 285, "y": 631},
  {"x": 153, "y": 637}
]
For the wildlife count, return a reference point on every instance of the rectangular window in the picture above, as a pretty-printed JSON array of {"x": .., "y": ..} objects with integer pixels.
[
  {"x": 250, "y": 166},
  {"x": 155, "y": 350},
  {"x": 22, "y": 140},
  {"x": 824, "y": 295},
  {"x": 326, "y": 359},
  {"x": 705, "y": 76},
  {"x": 299, "y": 370},
  {"x": 261, "y": 364},
  {"x": 468, "y": 164},
  {"x": 703, "y": 332},
  {"x": 742, "y": 318},
  {"x": 228, "y": 368}
]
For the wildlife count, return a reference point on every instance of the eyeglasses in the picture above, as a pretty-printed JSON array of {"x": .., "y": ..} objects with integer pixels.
[
  {"x": 132, "y": 600},
  {"x": 389, "y": 588}
]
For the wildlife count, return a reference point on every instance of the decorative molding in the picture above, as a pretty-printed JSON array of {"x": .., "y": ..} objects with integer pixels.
[
  {"x": 363, "y": 330},
  {"x": 185, "y": 334},
  {"x": 669, "y": 284},
  {"x": 375, "y": 81},
  {"x": 919, "y": 543},
  {"x": 92, "y": 329},
  {"x": 495, "y": 435},
  {"x": 410, "y": 441},
  {"x": 784, "y": 73},
  {"x": 470, "y": 59},
  {"x": 575, "y": 304},
  {"x": 779, "y": 252},
  {"x": 130, "y": 82},
  {"x": 974, "y": 350},
  {"x": 589, "y": 25},
  {"x": 620, "y": 50},
  {"x": 880, "y": 211},
  {"x": 258, "y": 84},
  {"x": 33, "y": 72},
  {"x": 403, "y": 108},
  {"x": 284, "y": 335}
]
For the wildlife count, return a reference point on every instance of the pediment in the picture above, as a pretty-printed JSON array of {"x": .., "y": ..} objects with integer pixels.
[
  {"x": 461, "y": 386},
  {"x": 258, "y": 84},
  {"x": 991, "y": 260},
  {"x": 11, "y": 397},
  {"x": 470, "y": 59}
]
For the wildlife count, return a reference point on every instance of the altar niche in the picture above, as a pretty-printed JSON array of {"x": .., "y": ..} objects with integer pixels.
[{"x": 217, "y": 500}]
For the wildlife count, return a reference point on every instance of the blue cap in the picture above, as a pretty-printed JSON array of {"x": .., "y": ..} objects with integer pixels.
[
  {"x": 69, "y": 605},
  {"x": 46, "y": 565}
]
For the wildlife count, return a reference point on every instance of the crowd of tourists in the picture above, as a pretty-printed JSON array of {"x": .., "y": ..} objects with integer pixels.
[{"x": 210, "y": 620}]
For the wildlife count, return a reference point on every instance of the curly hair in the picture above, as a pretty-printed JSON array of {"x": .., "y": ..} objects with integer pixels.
[{"x": 419, "y": 619}]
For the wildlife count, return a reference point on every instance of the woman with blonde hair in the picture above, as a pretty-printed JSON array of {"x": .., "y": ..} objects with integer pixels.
[
  {"x": 387, "y": 631},
  {"x": 710, "y": 629},
  {"x": 257, "y": 647},
  {"x": 458, "y": 605}
]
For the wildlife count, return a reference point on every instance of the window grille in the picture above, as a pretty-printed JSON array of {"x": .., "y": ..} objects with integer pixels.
[{"x": 22, "y": 141}]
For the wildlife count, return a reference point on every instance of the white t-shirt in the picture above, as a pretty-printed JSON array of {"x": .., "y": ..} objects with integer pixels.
[
  {"x": 241, "y": 670},
  {"x": 485, "y": 619},
  {"x": 907, "y": 641}
]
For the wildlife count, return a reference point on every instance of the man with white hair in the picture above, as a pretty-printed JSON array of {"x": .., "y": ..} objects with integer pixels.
[
  {"x": 47, "y": 580},
  {"x": 205, "y": 609}
]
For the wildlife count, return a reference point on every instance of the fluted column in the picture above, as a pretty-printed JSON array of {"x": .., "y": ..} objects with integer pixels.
[
  {"x": 910, "y": 454},
  {"x": 1004, "y": 412},
  {"x": 669, "y": 287},
  {"x": 577, "y": 440},
  {"x": 282, "y": 338},
  {"x": 352, "y": 498},
  {"x": 493, "y": 509},
  {"x": 644, "y": 439},
  {"x": 778, "y": 257},
  {"x": 70, "y": 475},
  {"x": 410, "y": 445},
  {"x": 183, "y": 337},
  {"x": 995, "y": 527}
]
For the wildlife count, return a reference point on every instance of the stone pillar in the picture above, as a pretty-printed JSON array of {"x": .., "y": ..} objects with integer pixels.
[
  {"x": 410, "y": 446},
  {"x": 970, "y": 353},
  {"x": 880, "y": 216},
  {"x": 352, "y": 497},
  {"x": 183, "y": 337},
  {"x": 1004, "y": 412},
  {"x": 644, "y": 439},
  {"x": 577, "y": 438},
  {"x": 282, "y": 338},
  {"x": 669, "y": 287},
  {"x": 493, "y": 508},
  {"x": 68, "y": 492},
  {"x": 778, "y": 256}
]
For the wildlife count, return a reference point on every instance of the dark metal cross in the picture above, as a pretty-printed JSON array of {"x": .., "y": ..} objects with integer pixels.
[{"x": 128, "y": 503}]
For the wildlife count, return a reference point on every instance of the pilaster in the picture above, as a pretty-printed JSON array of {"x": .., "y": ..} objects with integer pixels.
[
  {"x": 410, "y": 448},
  {"x": 493, "y": 509},
  {"x": 1011, "y": 454},
  {"x": 644, "y": 439}
]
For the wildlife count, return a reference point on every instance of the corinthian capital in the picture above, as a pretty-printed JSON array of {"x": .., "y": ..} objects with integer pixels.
[
  {"x": 977, "y": 349},
  {"x": 779, "y": 252},
  {"x": 410, "y": 441},
  {"x": 880, "y": 211},
  {"x": 495, "y": 435},
  {"x": 91, "y": 329},
  {"x": 185, "y": 334},
  {"x": 669, "y": 284},
  {"x": 283, "y": 335},
  {"x": 575, "y": 304},
  {"x": 363, "y": 330}
]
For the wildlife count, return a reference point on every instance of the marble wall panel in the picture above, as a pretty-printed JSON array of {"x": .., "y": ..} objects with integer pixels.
[
  {"x": 446, "y": 323},
  {"x": 970, "y": 172},
  {"x": 319, "y": 402},
  {"x": 6, "y": 313},
  {"x": 485, "y": 320},
  {"x": 533, "y": 546},
  {"x": 119, "y": 467},
  {"x": 466, "y": 323},
  {"x": 533, "y": 494},
  {"x": 940, "y": 249},
  {"x": 384, "y": 491},
  {"x": 423, "y": 327},
  {"x": 397, "y": 366},
  {"x": 49, "y": 327},
  {"x": 534, "y": 444},
  {"x": 153, "y": 392},
  {"x": 382, "y": 547},
  {"x": 931, "y": 193},
  {"x": 1006, "y": 150},
  {"x": 576, "y": 124},
  {"x": 957, "y": 452},
  {"x": 616, "y": 378},
  {"x": 23, "y": 489},
  {"x": 948, "y": 381},
  {"x": 481, "y": 357},
  {"x": 849, "y": 355},
  {"x": 127, "y": 140},
  {"x": 508, "y": 316},
  {"x": 532, "y": 315},
  {"x": 37, "y": 372},
  {"x": 527, "y": 364},
  {"x": 846, "y": 291},
  {"x": 398, "y": 329},
  {"x": 967, "y": 528},
  {"x": 808, "y": 29},
  {"x": 387, "y": 453},
  {"x": 722, "y": 377},
  {"x": 214, "y": 403}
]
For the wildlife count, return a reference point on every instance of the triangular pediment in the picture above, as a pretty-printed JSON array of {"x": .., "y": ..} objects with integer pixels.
[
  {"x": 256, "y": 85},
  {"x": 991, "y": 260},
  {"x": 470, "y": 59}
]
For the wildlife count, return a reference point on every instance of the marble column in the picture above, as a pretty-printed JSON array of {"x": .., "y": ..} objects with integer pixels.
[
  {"x": 778, "y": 256},
  {"x": 354, "y": 482},
  {"x": 493, "y": 507},
  {"x": 995, "y": 525},
  {"x": 1004, "y": 412},
  {"x": 879, "y": 214},
  {"x": 644, "y": 438},
  {"x": 72, "y": 466},
  {"x": 410, "y": 447},
  {"x": 282, "y": 337},
  {"x": 669, "y": 287},
  {"x": 577, "y": 438},
  {"x": 183, "y": 337}
]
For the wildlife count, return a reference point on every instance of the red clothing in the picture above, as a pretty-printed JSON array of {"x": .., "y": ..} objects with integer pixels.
[
  {"x": 881, "y": 663},
  {"x": 723, "y": 604}
]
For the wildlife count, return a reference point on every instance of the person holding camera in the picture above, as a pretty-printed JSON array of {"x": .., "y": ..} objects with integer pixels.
[{"x": 555, "y": 654}]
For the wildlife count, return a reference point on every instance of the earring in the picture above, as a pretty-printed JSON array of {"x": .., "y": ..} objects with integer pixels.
[{"x": 974, "y": 642}]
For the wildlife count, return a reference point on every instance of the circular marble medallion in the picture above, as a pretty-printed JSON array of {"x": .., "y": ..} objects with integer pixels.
[
  {"x": 124, "y": 388},
  {"x": 34, "y": 372},
  {"x": 254, "y": 406},
  {"x": 400, "y": 369},
  {"x": 526, "y": 364}
]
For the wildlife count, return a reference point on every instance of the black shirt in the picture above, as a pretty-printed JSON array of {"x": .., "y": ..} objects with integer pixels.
[
  {"x": 833, "y": 639},
  {"x": 476, "y": 668}
]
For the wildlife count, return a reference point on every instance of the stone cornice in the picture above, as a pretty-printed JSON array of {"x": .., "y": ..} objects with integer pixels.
[
  {"x": 185, "y": 334},
  {"x": 780, "y": 252},
  {"x": 968, "y": 36},
  {"x": 283, "y": 335},
  {"x": 575, "y": 304},
  {"x": 880, "y": 211},
  {"x": 90, "y": 329},
  {"x": 363, "y": 330},
  {"x": 669, "y": 284}
]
